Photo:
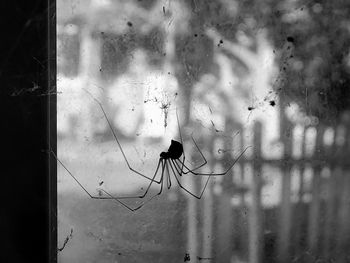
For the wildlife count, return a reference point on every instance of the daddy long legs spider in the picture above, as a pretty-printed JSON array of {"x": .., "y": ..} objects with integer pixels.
[{"x": 171, "y": 162}]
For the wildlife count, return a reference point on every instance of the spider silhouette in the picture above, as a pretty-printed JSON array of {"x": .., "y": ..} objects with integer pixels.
[{"x": 170, "y": 163}]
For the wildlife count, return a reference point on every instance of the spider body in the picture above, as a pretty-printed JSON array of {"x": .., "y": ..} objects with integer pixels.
[{"x": 174, "y": 152}]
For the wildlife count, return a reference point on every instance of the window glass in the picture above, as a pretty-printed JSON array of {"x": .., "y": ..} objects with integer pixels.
[{"x": 202, "y": 131}]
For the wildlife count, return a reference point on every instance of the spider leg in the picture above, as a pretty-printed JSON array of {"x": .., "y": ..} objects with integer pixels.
[
  {"x": 116, "y": 138},
  {"x": 120, "y": 202},
  {"x": 183, "y": 160},
  {"x": 182, "y": 143},
  {"x": 214, "y": 174},
  {"x": 143, "y": 203},
  {"x": 205, "y": 160},
  {"x": 168, "y": 178},
  {"x": 104, "y": 197},
  {"x": 184, "y": 157},
  {"x": 178, "y": 166},
  {"x": 161, "y": 179},
  {"x": 182, "y": 165},
  {"x": 185, "y": 189}
]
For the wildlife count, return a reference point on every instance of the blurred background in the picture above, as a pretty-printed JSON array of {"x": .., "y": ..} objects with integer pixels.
[{"x": 269, "y": 74}]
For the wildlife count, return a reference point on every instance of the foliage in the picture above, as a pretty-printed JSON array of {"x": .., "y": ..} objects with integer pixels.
[{"x": 310, "y": 41}]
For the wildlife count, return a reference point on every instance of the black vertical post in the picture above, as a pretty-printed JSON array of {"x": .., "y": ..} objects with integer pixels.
[{"x": 52, "y": 129}]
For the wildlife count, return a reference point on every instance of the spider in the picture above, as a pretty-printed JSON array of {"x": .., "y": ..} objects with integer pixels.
[{"x": 170, "y": 162}]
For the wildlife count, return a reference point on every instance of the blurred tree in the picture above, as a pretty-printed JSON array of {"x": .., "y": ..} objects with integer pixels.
[
  {"x": 310, "y": 40},
  {"x": 318, "y": 69}
]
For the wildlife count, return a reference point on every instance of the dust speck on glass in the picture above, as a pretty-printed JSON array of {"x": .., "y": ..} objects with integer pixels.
[{"x": 203, "y": 131}]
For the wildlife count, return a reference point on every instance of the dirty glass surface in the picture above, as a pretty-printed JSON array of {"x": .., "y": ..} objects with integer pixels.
[{"x": 253, "y": 98}]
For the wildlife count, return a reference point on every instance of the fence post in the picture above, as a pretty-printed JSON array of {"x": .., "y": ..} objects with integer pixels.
[
  {"x": 300, "y": 209},
  {"x": 285, "y": 222},
  {"x": 314, "y": 210},
  {"x": 342, "y": 252},
  {"x": 225, "y": 215},
  {"x": 343, "y": 231},
  {"x": 207, "y": 226},
  {"x": 192, "y": 222},
  {"x": 331, "y": 202},
  {"x": 255, "y": 222},
  {"x": 224, "y": 229}
]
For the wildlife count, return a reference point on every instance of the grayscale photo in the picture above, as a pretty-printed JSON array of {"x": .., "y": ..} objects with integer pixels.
[{"x": 207, "y": 131}]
